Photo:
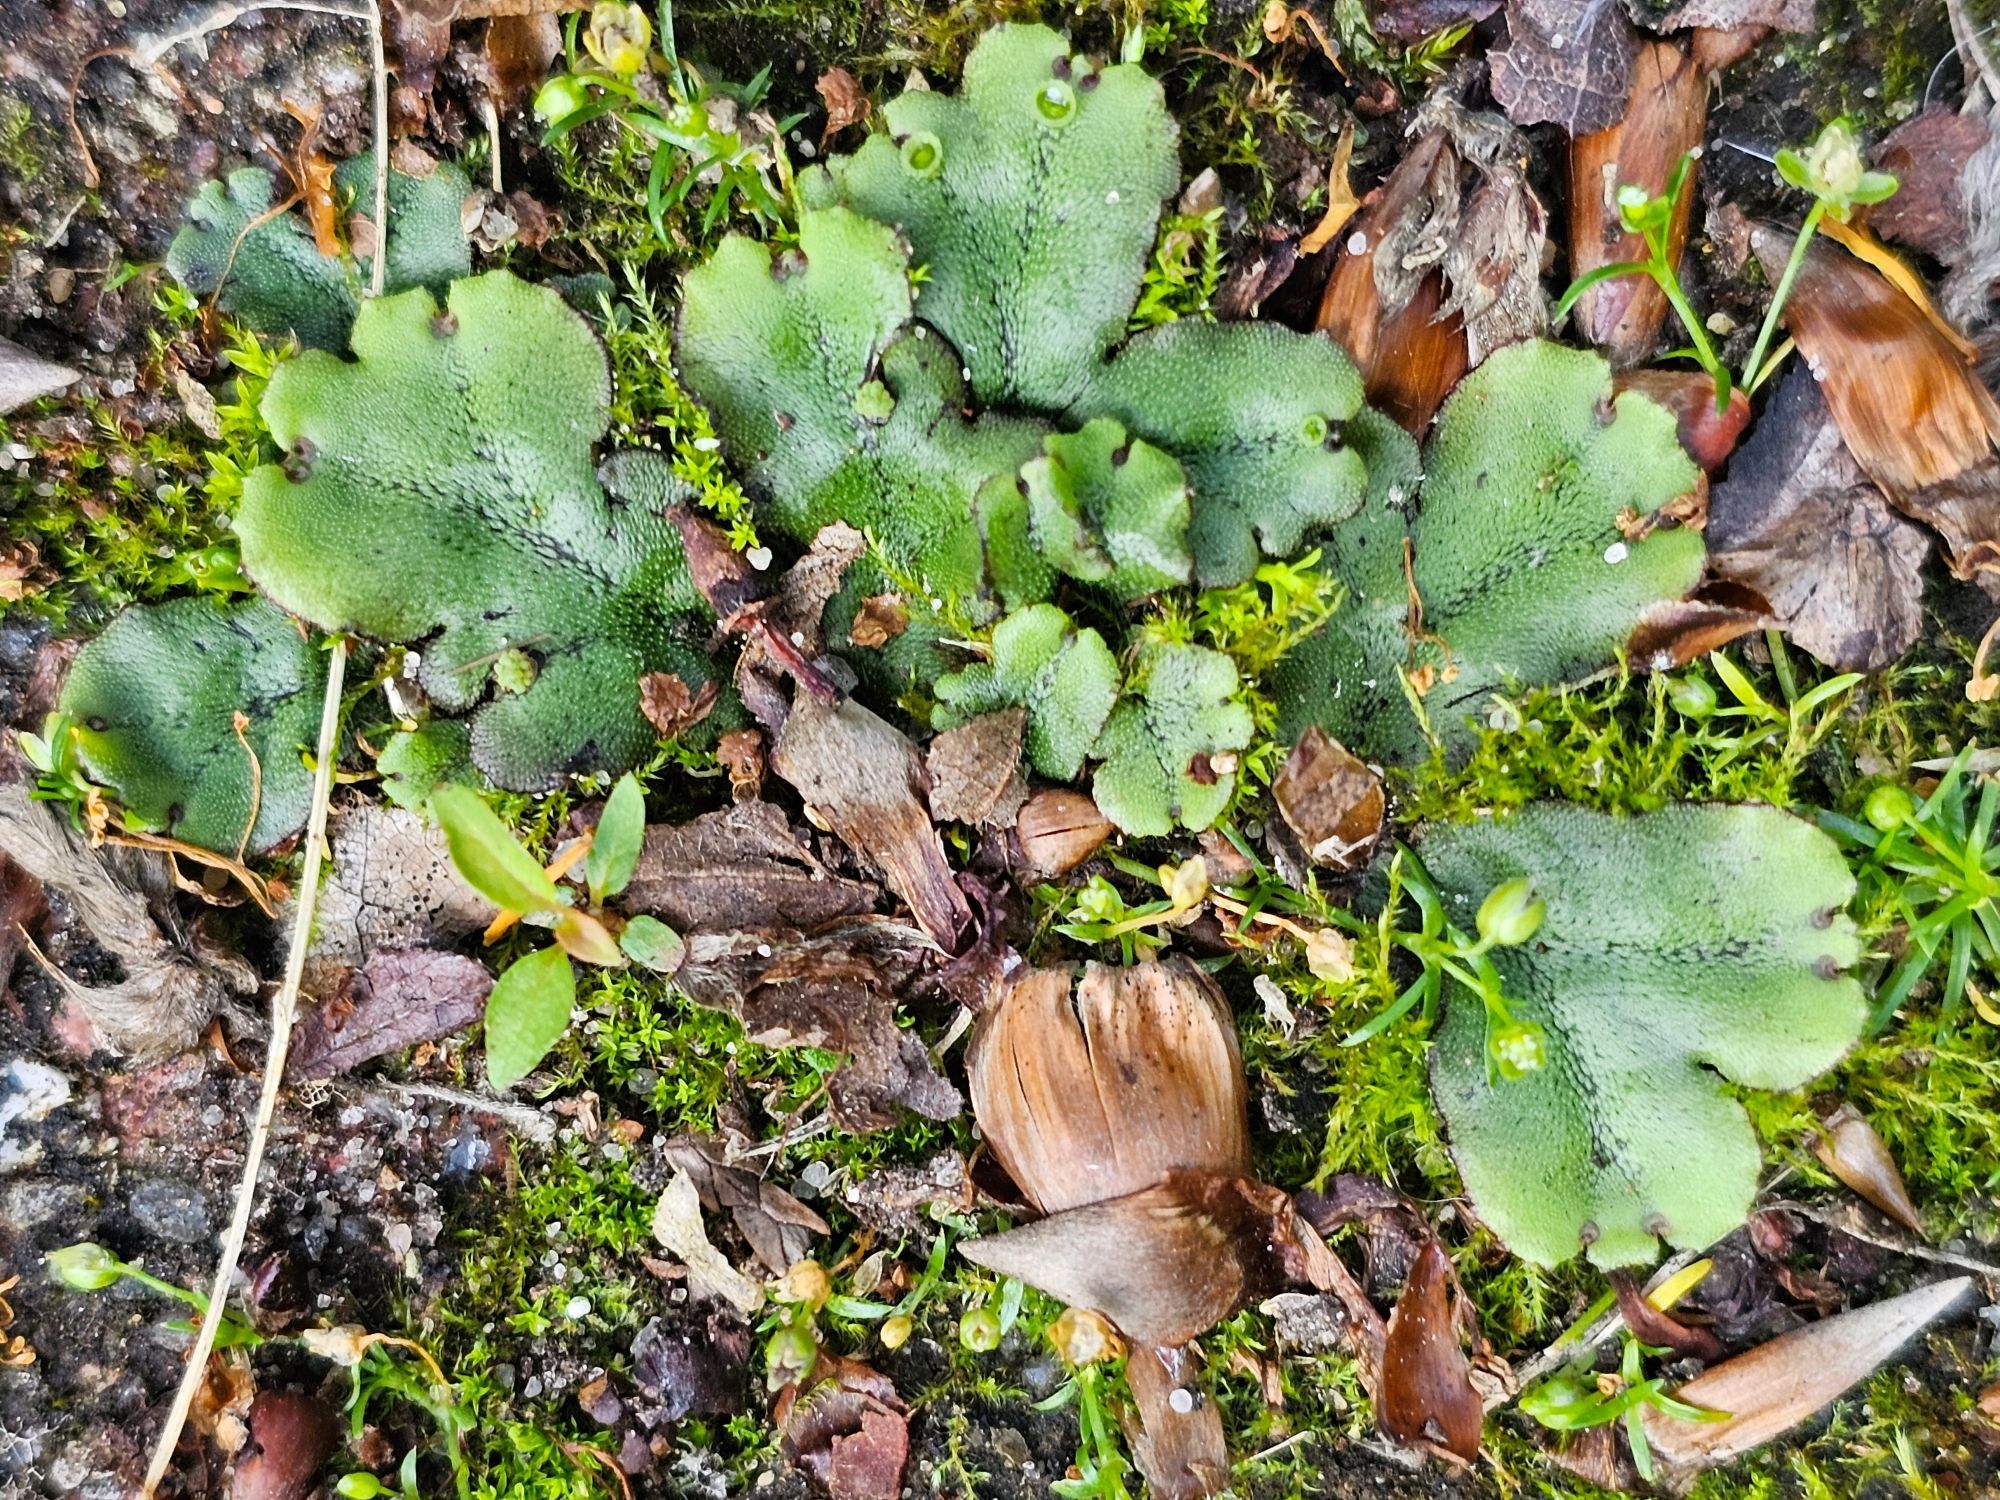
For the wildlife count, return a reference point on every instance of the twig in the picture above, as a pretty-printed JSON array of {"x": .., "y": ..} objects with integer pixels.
[
  {"x": 379, "y": 62},
  {"x": 283, "y": 1009}
]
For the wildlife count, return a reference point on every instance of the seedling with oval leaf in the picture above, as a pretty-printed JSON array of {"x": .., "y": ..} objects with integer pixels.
[{"x": 528, "y": 1010}]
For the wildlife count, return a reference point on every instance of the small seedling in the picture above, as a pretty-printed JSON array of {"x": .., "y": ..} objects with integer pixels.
[
  {"x": 1575, "y": 1398},
  {"x": 528, "y": 1011},
  {"x": 1933, "y": 868},
  {"x": 88, "y": 1267}
]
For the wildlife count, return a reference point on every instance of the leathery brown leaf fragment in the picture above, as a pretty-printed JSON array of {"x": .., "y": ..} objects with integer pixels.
[{"x": 1427, "y": 1393}]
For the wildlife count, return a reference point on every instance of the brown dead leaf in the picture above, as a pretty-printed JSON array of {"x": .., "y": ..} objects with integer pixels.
[
  {"x": 518, "y": 51},
  {"x": 1057, "y": 830},
  {"x": 1566, "y": 62},
  {"x": 21, "y": 570},
  {"x": 846, "y": 103},
  {"x": 392, "y": 886},
  {"x": 1178, "y": 1443},
  {"x": 398, "y": 998},
  {"x": 677, "y": 1225},
  {"x": 669, "y": 705},
  {"x": 1653, "y": 1325},
  {"x": 1415, "y": 20},
  {"x": 1330, "y": 799},
  {"x": 741, "y": 752},
  {"x": 291, "y": 1438},
  {"x": 1799, "y": 522},
  {"x": 1340, "y": 200},
  {"x": 849, "y": 1430},
  {"x": 1427, "y": 1393},
  {"x": 1929, "y": 153},
  {"x": 1848, "y": 1147},
  {"x": 739, "y": 868},
  {"x": 1776, "y": 1386},
  {"x": 879, "y": 620},
  {"x": 1663, "y": 120},
  {"x": 690, "y": 1364},
  {"x": 975, "y": 770},
  {"x": 866, "y": 780},
  {"x": 777, "y": 1226},
  {"x": 835, "y": 988},
  {"x": 1725, "y": 15},
  {"x": 21, "y": 911},
  {"x": 1909, "y": 404}
]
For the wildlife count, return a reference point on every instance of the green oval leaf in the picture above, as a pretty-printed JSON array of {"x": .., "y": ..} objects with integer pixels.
[
  {"x": 614, "y": 848},
  {"x": 652, "y": 944},
  {"x": 526, "y": 1014},
  {"x": 487, "y": 855}
]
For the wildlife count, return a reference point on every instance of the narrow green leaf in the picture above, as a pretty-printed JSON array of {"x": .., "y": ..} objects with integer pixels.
[
  {"x": 614, "y": 850},
  {"x": 488, "y": 856},
  {"x": 652, "y": 944},
  {"x": 526, "y": 1014}
]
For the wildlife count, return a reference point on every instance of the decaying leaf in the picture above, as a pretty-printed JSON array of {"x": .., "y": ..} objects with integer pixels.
[
  {"x": 1340, "y": 200},
  {"x": 1057, "y": 830},
  {"x": 1178, "y": 1442},
  {"x": 691, "y": 1364},
  {"x": 671, "y": 706},
  {"x": 1662, "y": 121},
  {"x": 1848, "y": 1147},
  {"x": 677, "y": 1225},
  {"x": 1903, "y": 390},
  {"x": 975, "y": 770},
  {"x": 1567, "y": 62},
  {"x": 834, "y": 988},
  {"x": 777, "y": 1226},
  {"x": 1777, "y": 1385},
  {"x": 741, "y": 868},
  {"x": 865, "y": 779},
  {"x": 845, "y": 100},
  {"x": 392, "y": 886},
  {"x": 1929, "y": 153},
  {"x": 846, "y": 1426},
  {"x": 1330, "y": 799},
  {"x": 25, "y": 376},
  {"x": 1798, "y": 521},
  {"x": 1427, "y": 1393},
  {"x": 399, "y": 998}
]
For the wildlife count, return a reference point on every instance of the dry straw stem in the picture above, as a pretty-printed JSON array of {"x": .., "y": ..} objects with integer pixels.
[{"x": 283, "y": 1009}]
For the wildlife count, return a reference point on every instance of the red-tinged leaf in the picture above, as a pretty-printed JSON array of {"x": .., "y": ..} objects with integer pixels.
[
  {"x": 1708, "y": 435},
  {"x": 400, "y": 997},
  {"x": 1426, "y": 1394}
]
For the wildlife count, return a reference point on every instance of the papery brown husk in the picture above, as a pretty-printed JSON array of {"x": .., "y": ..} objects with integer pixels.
[
  {"x": 1094, "y": 1097},
  {"x": 1908, "y": 402},
  {"x": 1664, "y": 119},
  {"x": 1183, "y": 1455}
]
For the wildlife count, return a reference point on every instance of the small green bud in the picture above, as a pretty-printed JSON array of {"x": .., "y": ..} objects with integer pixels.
[
  {"x": 1519, "y": 1048},
  {"x": 979, "y": 1329},
  {"x": 85, "y": 1267},
  {"x": 874, "y": 403},
  {"x": 1692, "y": 697},
  {"x": 1889, "y": 807},
  {"x": 896, "y": 1330},
  {"x": 1511, "y": 913},
  {"x": 1099, "y": 901},
  {"x": 790, "y": 1355},
  {"x": 361, "y": 1486},
  {"x": 561, "y": 97}
]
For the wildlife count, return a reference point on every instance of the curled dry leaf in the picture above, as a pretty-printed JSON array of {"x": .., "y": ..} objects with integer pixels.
[
  {"x": 1057, "y": 830},
  {"x": 1653, "y": 1325},
  {"x": 398, "y": 998},
  {"x": 846, "y": 103},
  {"x": 847, "y": 1428},
  {"x": 1775, "y": 1386},
  {"x": 865, "y": 778},
  {"x": 1384, "y": 301},
  {"x": 740, "y": 868},
  {"x": 677, "y": 1225},
  {"x": 777, "y": 1226},
  {"x": 1799, "y": 522},
  {"x": 1904, "y": 392},
  {"x": 1566, "y": 62},
  {"x": 1929, "y": 154},
  {"x": 975, "y": 770},
  {"x": 1330, "y": 799},
  {"x": 671, "y": 706},
  {"x": 1848, "y": 1147},
  {"x": 1663, "y": 120},
  {"x": 1679, "y": 631},
  {"x": 1427, "y": 1395}
]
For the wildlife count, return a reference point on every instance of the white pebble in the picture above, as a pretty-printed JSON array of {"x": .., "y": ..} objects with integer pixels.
[{"x": 1616, "y": 553}]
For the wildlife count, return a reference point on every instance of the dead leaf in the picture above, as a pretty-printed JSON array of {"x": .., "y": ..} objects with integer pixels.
[
  {"x": 777, "y": 1226},
  {"x": 1493, "y": 265},
  {"x": 670, "y": 707},
  {"x": 879, "y": 620},
  {"x": 1427, "y": 1392},
  {"x": 846, "y": 103},
  {"x": 849, "y": 1430},
  {"x": 1725, "y": 15},
  {"x": 1800, "y": 523},
  {"x": 1849, "y": 1148},
  {"x": 677, "y": 1225},
  {"x": 1416, "y": 20},
  {"x": 1057, "y": 830},
  {"x": 866, "y": 780},
  {"x": 1655, "y": 1326},
  {"x": 975, "y": 770},
  {"x": 1708, "y": 436},
  {"x": 26, "y": 376},
  {"x": 1662, "y": 121},
  {"x": 21, "y": 911},
  {"x": 1929, "y": 154},
  {"x": 398, "y": 998},
  {"x": 1178, "y": 1444},
  {"x": 1566, "y": 62},
  {"x": 835, "y": 988},
  {"x": 392, "y": 886},
  {"x": 1330, "y": 799},
  {"x": 291, "y": 1438},
  {"x": 1340, "y": 200},
  {"x": 1679, "y": 631},
  {"x": 690, "y": 1364},
  {"x": 1776, "y": 1386},
  {"x": 518, "y": 51},
  {"x": 741, "y": 752},
  {"x": 1909, "y": 404},
  {"x": 739, "y": 868}
]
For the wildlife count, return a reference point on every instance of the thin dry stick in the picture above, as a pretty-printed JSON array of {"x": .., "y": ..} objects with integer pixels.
[{"x": 283, "y": 1008}]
